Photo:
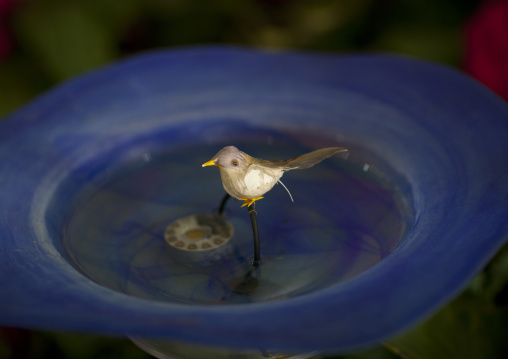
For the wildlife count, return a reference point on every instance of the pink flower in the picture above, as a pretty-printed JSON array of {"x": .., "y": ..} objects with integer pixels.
[
  {"x": 6, "y": 5},
  {"x": 486, "y": 56},
  {"x": 5, "y": 38}
]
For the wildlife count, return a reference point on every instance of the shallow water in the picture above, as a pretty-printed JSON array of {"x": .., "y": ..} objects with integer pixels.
[{"x": 345, "y": 218}]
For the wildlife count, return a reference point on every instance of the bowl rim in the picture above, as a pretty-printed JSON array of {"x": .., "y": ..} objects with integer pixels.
[{"x": 42, "y": 290}]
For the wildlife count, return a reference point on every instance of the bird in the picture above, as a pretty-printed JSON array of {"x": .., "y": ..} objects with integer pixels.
[{"x": 247, "y": 178}]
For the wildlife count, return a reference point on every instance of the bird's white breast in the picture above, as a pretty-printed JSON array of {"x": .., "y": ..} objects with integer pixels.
[
  {"x": 254, "y": 182},
  {"x": 259, "y": 181},
  {"x": 256, "y": 178}
]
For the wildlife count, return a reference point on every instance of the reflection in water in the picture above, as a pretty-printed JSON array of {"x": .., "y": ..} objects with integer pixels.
[{"x": 344, "y": 220}]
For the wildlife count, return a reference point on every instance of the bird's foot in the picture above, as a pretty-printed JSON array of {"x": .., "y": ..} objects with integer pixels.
[{"x": 249, "y": 201}]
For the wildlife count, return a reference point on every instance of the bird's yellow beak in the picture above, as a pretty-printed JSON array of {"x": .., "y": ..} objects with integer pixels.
[{"x": 210, "y": 163}]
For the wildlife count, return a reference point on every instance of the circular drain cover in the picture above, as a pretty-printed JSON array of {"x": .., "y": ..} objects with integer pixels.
[{"x": 200, "y": 239}]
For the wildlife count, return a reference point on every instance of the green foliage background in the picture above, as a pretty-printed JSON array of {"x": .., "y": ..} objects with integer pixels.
[{"x": 55, "y": 40}]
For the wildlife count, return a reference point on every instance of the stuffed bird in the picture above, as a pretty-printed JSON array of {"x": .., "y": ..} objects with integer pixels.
[{"x": 247, "y": 178}]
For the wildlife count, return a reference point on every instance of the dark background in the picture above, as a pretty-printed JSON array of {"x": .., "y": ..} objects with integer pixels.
[{"x": 45, "y": 42}]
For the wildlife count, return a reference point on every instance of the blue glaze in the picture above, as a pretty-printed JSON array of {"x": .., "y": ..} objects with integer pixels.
[
  {"x": 434, "y": 142},
  {"x": 114, "y": 232}
]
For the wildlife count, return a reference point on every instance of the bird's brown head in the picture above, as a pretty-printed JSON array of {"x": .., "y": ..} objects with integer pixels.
[{"x": 229, "y": 157}]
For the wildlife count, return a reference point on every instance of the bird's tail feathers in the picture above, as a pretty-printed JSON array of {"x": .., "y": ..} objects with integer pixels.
[{"x": 310, "y": 159}]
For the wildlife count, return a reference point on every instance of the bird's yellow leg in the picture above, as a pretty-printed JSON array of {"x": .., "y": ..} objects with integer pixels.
[{"x": 248, "y": 201}]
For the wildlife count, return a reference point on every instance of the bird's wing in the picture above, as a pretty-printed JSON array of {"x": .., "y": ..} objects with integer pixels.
[{"x": 305, "y": 161}]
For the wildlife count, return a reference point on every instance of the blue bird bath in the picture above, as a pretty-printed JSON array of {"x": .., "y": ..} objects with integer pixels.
[{"x": 95, "y": 171}]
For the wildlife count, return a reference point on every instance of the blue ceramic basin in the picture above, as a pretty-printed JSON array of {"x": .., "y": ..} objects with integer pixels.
[{"x": 95, "y": 170}]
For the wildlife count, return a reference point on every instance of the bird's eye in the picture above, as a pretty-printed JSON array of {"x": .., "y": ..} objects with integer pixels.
[{"x": 234, "y": 163}]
